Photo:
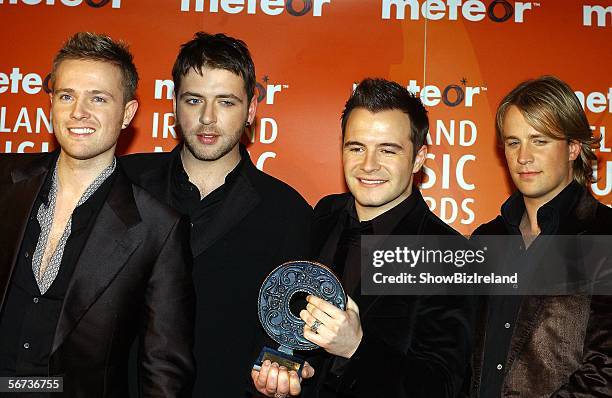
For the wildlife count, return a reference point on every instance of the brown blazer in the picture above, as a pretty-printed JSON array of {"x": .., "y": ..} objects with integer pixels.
[
  {"x": 561, "y": 345},
  {"x": 131, "y": 280}
]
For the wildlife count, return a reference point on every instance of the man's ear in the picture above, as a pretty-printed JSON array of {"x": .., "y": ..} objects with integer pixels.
[
  {"x": 252, "y": 109},
  {"x": 128, "y": 112},
  {"x": 419, "y": 159},
  {"x": 574, "y": 149}
]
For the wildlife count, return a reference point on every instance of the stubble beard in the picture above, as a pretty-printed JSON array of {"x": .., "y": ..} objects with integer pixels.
[{"x": 224, "y": 145}]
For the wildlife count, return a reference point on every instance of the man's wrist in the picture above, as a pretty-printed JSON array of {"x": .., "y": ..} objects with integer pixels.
[{"x": 351, "y": 353}]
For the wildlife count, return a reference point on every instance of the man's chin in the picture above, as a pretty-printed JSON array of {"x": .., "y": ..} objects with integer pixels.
[{"x": 211, "y": 153}]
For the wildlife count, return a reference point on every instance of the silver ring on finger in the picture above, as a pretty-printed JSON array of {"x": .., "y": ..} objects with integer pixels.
[
  {"x": 280, "y": 395},
  {"x": 315, "y": 326}
]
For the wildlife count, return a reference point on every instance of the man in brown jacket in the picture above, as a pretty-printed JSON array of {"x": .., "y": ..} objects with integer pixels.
[{"x": 545, "y": 346}]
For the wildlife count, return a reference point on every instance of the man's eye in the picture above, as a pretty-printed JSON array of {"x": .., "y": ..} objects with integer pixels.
[
  {"x": 388, "y": 151},
  {"x": 65, "y": 97},
  {"x": 540, "y": 142},
  {"x": 193, "y": 101},
  {"x": 355, "y": 149},
  {"x": 98, "y": 99},
  {"x": 227, "y": 103},
  {"x": 511, "y": 143}
]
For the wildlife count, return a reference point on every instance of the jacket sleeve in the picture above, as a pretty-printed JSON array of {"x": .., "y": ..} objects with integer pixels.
[
  {"x": 165, "y": 355},
  {"x": 432, "y": 364},
  {"x": 594, "y": 377}
]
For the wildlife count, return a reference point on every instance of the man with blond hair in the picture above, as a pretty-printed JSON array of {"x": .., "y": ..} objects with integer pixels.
[
  {"x": 548, "y": 345},
  {"x": 89, "y": 261}
]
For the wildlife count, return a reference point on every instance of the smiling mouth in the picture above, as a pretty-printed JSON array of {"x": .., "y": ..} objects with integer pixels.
[
  {"x": 81, "y": 130},
  {"x": 371, "y": 182}
]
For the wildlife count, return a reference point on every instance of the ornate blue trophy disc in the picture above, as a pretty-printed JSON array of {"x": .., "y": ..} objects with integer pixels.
[{"x": 275, "y": 314}]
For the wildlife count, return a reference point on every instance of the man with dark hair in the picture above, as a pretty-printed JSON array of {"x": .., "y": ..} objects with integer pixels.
[
  {"x": 382, "y": 346},
  {"x": 88, "y": 261},
  {"x": 545, "y": 346},
  {"x": 244, "y": 222}
]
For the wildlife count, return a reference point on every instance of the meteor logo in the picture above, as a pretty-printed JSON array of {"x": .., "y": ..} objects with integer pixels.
[
  {"x": 471, "y": 10},
  {"x": 69, "y": 3}
]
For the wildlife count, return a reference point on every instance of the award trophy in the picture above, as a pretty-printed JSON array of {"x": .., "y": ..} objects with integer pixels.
[{"x": 275, "y": 314}]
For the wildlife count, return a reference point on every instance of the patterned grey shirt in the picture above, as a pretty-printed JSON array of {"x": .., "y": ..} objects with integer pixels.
[{"x": 45, "y": 220}]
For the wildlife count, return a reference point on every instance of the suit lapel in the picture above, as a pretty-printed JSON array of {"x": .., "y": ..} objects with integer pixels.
[
  {"x": 111, "y": 242},
  {"x": 17, "y": 198},
  {"x": 158, "y": 181},
  {"x": 332, "y": 230}
]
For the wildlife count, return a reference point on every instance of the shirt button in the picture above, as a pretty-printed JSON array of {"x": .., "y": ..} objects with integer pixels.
[
  {"x": 499, "y": 366},
  {"x": 27, "y": 254},
  {"x": 26, "y": 345},
  {"x": 507, "y": 325},
  {"x": 35, "y": 300}
]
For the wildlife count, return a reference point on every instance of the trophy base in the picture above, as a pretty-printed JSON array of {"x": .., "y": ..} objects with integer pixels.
[{"x": 290, "y": 361}]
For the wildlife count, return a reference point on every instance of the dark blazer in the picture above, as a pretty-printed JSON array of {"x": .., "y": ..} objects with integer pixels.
[
  {"x": 412, "y": 346},
  {"x": 261, "y": 224},
  {"x": 131, "y": 279},
  {"x": 561, "y": 346}
]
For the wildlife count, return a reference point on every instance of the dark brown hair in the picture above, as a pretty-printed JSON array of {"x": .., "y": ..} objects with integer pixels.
[
  {"x": 215, "y": 51},
  {"x": 378, "y": 95}
]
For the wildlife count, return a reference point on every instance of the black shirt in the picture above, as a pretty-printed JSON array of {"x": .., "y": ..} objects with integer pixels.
[
  {"x": 347, "y": 260},
  {"x": 200, "y": 211},
  {"x": 503, "y": 310},
  {"x": 28, "y": 319}
]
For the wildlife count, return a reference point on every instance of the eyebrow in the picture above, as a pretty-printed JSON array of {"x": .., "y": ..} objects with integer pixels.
[
  {"x": 72, "y": 91},
  {"x": 532, "y": 135},
  {"x": 197, "y": 95},
  {"x": 384, "y": 144}
]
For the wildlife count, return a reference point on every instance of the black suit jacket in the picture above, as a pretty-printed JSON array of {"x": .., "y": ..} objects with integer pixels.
[
  {"x": 261, "y": 224},
  {"x": 131, "y": 279},
  {"x": 412, "y": 346}
]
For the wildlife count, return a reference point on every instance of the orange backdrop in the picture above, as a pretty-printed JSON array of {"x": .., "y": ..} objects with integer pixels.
[{"x": 460, "y": 56}]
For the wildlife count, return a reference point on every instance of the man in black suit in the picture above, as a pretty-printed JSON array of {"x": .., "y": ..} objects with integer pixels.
[
  {"x": 244, "y": 222},
  {"x": 383, "y": 346},
  {"x": 88, "y": 261}
]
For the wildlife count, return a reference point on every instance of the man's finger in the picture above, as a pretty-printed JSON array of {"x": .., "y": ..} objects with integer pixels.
[
  {"x": 272, "y": 381},
  {"x": 307, "y": 318},
  {"x": 307, "y": 371},
  {"x": 314, "y": 337},
  {"x": 324, "y": 306},
  {"x": 294, "y": 383},
  {"x": 282, "y": 385},
  {"x": 317, "y": 313},
  {"x": 352, "y": 305},
  {"x": 322, "y": 329},
  {"x": 262, "y": 377}
]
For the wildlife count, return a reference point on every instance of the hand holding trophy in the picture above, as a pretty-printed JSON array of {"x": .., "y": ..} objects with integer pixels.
[{"x": 277, "y": 372}]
